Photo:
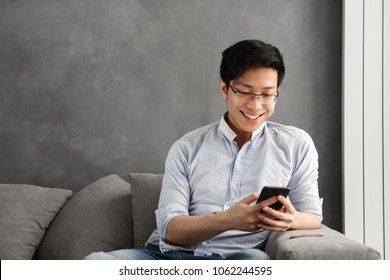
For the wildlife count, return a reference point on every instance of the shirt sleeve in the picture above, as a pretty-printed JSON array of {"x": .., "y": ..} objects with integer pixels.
[
  {"x": 175, "y": 191},
  {"x": 303, "y": 184}
]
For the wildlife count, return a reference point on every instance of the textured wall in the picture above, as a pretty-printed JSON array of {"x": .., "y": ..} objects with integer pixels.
[{"x": 90, "y": 88}]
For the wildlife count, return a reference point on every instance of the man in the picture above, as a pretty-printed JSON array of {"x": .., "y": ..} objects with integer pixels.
[{"x": 213, "y": 175}]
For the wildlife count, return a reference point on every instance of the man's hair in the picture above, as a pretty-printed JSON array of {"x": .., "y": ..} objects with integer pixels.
[{"x": 250, "y": 53}]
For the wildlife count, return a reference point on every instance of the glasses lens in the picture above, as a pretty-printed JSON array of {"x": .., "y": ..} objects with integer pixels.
[
  {"x": 267, "y": 99},
  {"x": 264, "y": 99},
  {"x": 242, "y": 97}
]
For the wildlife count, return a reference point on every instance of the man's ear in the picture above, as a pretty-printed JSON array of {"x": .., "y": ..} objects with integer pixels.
[{"x": 223, "y": 88}]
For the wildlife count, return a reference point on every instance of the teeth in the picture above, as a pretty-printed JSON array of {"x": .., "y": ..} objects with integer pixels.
[{"x": 252, "y": 117}]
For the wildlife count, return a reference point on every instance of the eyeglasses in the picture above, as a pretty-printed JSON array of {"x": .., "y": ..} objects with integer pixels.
[{"x": 264, "y": 98}]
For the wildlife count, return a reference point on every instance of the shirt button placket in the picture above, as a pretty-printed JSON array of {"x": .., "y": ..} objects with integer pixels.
[{"x": 237, "y": 174}]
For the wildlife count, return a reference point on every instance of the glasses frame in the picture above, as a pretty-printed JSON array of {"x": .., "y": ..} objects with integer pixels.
[{"x": 252, "y": 96}]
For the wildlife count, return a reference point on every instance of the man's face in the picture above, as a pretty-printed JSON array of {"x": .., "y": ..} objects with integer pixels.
[{"x": 245, "y": 116}]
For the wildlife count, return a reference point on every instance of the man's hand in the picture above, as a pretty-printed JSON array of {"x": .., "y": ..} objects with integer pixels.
[
  {"x": 287, "y": 218},
  {"x": 246, "y": 216}
]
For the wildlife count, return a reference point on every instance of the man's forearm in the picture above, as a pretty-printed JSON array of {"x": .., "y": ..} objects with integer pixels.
[
  {"x": 306, "y": 220},
  {"x": 188, "y": 230}
]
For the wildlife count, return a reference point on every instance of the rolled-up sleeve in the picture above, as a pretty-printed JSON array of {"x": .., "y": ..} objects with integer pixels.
[
  {"x": 175, "y": 192},
  {"x": 303, "y": 184}
]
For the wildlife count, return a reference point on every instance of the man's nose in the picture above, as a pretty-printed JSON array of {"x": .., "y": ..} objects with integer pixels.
[{"x": 255, "y": 103}]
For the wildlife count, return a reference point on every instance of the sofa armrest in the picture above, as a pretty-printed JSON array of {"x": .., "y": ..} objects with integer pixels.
[{"x": 320, "y": 244}]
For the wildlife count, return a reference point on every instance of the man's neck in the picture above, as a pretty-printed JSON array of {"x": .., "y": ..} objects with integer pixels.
[{"x": 242, "y": 138}]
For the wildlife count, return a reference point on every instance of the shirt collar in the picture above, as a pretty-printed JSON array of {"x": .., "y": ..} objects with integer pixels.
[
  {"x": 226, "y": 130},
  {"x": 230, "y": 134}
]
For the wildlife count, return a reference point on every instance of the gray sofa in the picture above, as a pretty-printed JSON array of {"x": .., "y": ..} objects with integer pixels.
[{"x": 111, "y": 213}]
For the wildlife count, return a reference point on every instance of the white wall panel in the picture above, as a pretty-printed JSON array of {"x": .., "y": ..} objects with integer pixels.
[
  {"x": 353, "y": 119},
  {"x": 386, "y": 123},
  {"x": 373, "y": 124},
  {"x": 366, "y": 122}
]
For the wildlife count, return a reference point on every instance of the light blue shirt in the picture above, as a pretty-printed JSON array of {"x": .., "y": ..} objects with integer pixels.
[{"x": 206, "y": 172}]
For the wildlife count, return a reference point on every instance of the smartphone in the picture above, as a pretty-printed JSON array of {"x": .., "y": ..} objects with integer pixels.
[{"x": 268, "y": 192}]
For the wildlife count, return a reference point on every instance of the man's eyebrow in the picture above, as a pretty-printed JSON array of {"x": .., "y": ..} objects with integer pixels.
[{"x": 252, "y": 87}]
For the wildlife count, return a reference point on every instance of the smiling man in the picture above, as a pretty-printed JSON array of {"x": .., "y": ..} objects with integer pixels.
[{"x": 213, "y": 175}]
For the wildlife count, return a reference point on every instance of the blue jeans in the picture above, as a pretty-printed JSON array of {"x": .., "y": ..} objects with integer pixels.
[{"x": 152, "y": 252}]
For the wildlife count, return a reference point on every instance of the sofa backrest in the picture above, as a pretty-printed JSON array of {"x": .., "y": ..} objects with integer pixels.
[{"x": 145, "y": 188}]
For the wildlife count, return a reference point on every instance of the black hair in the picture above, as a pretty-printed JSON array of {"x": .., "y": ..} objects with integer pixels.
[{"x": 249, "y": 53}]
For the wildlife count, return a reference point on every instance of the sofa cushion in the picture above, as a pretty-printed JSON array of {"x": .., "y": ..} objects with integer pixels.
[
  {"x": 146, "y": 189},
  {"x": 321, "y": 244},
  {"x": 25, "y": 213},
  {"x": 97, "y": 218}
]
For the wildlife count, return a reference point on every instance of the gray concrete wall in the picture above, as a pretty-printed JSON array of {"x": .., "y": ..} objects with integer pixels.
[{"x": 90, "y": 88}]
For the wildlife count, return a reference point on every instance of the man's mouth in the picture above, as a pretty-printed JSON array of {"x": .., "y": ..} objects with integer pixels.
[{"x": 249, "y": 116}]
